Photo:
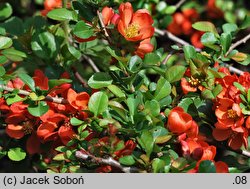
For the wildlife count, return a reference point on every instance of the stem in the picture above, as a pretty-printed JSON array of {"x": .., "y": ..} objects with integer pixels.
[
  {"x": 106, "y": 161},
  {"x": 79, "y": 77},
  {"x": 103, "y": 27},
  {"x": 234, "y": 45},
  {"x": 27, "y": 93},
  {"x": 91, "y": 63},
  {"x": 180, "y": 3}
]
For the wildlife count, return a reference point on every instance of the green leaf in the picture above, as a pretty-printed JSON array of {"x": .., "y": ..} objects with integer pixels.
[
  {"x": 16, "y": 154},
  {"x": 12, "y": 99},
  {"x": 152, "y": 107},
  {"x": 84, "y": 10},
  {"x": 98, "y": 103},
  {"x": 75, "y": 122},
  {"x": 27, "y": 80},
  {"x": 5, "y": 11},
  {"x": 189, "y": 52},
  {"x": 208, "y": 38},
  {"x": 134, "y": 64},
  {"x": 225, "y": 40},
  {"x": 99, "y": 80},
  {"x": 158, "y": 165},
  {"x": 132, "y": 105},
  {"x": 248, "y": 96},
  {"x": 5, "y": 42},
  {"x": 246, "y": 23},
  {"x": 229, "y": 28},
  {"x": 38, "y": 110},
  {"x": 205, "y": 27},
  {"x": 14, "y": 55},
  {"x": 207, "y": 166},
  {"x": 127, "y": 160},
  {"x": 170, "y": 9},
  {"x": 151, "y": 59},
  {"x": 62, "y": 14},
  {"x": 82, "y": 30},
  {"x": 3, "y": 59},
  {"x": 175, "y": 73},
  {"x": 59, "y": 157},
  {"x": 163, "y": 89},
  {"x": 2, "y": 71},
  {"x": 147, "y": 142},
  {"x": 44, "y": 45},
  {"x": 116, "y": 91}
]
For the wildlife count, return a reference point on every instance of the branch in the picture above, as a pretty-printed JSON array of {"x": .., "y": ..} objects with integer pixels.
[
  {"x": 182, "y": 42},
  {"x": 27, "y": 93},
  {"x": 107, "y": 161},
  {"x": 79, "y": 77},
  {"x": 103, "y": 27},
  {"x": 180, "y": 3},
  {"x": 91, "y": 62},
  {"x": 234, "y": 45}
]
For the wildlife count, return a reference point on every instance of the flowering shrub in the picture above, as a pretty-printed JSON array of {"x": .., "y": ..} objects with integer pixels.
[{"x": 119, "y": 86}]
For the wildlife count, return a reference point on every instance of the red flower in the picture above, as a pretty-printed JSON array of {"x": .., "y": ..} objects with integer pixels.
[
  {"x": 213, "y": 11},
  {"x": 135, "y": 26},
  {"x": 41, "y": 80},
  {"x": 50, "y": 5},
  {"x": 196, "y": 39},
  {"x": 228, "y": 114},
  {"x": 107, "y": 14},
  {"x": 144, "y": 47},
  {"x": 180, "y": 122},
  {"x": 248, "y": 122},
  {"x": 78, "y": 101},
  {"x": 127, "y": 150}
]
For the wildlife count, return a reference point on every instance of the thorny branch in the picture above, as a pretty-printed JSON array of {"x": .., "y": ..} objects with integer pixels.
[
  {"x": 27, "y": 93},
  {"x": 106, "y": 161},
  {"x": 180, "y": 3},
  {"x": 91, "y": 63}
]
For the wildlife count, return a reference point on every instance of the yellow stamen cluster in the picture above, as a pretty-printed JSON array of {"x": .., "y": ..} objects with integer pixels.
[
  {"x": 132, "y": 30},
  {"x": 232, "y": 114},
  {"x": 194, "y": 82}
]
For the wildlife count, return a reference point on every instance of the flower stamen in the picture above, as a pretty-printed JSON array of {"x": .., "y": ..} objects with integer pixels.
[
  {"x": 194, "y": 82},
  {"x": 132, "y": 30},
  {"x": 232, "y": 114}
]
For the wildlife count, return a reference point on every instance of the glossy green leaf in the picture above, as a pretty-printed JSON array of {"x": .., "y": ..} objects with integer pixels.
[
  {"x": 116, "y": 91},
  {"x": 5, "y": 11},
  {"x": 152, "y": 107},
  {"x": 147, "y": 142},
  {"x": 98, "y": 103},
  {"x": 158, "y": 165},
  {"x": 134, "y": 64},
  {"x": 58, "y": 82},
  {"x": 62, "y": 14},
  {"x": 229, "y": 28},
  {"x": 75, "y": 122},
  {"x": 39, "y": 109},
  {"x": 5, "y": 42},
  {"x": 205, "y": 26},
  {"x": 151, "y": 59},
  {"x": 226, "y": 40},
  {"x": 27, "y": 80},
  {"x": 208, "y": 38},
  {"x": 175, "y": 73},
  {"x": 99, "y": 80},
  {"x": 16, "y": 154},
  {"x": 82, "y": 30},
  {"x": 163, "y": 89},
  {"x": 2, "y": 71},
  {"x": 12, "y": 99},
  {"x": 127, "y": 160},
  {"x": 13, "y": 54}
]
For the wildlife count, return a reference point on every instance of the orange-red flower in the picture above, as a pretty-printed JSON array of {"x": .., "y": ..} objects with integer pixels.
[
  {"x": 213, "y": 11},
  {"x": 144, "y": 47},
  {"x": 78, "y": 100},
  {"x": 228, "y": 114},
  {"x": 135, "y": 26},
  {"x": 50, "y": 5},
  {"x": 180, "y": 122},
  {"x": 107, "y": 14},
  {"x": 41, "y": 80},
  {"x": 196, "y": 39}
]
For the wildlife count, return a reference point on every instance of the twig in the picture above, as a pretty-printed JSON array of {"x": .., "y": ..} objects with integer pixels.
[
  {"x": 167, "y": 57},
  {"x": 65, "y": 23},
  {"x": 27, "y": 93},
  {"x": 171, "y": 36},
  {"x": 180, "y": 3},
  {"x": 91, "y": 63},
  {"x": 106, "y": 161},
  {"x": 79, "y": 77},
  {"x": 234, "y": 45},
  {"x": 103, "y": 27},
  {"x": 182, "y": 42}
]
